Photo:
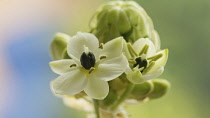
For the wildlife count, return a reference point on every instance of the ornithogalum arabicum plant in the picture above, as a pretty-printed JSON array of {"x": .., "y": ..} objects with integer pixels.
[{"x": 116, "y": 63}]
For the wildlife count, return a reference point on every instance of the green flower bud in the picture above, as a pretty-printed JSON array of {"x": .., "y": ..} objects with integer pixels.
[
  {"x": 65, "y": 54},
  {"x": 122, "y": 18},
  {"x": 58, "y": 46},
  {"x": 120, "y": 82},
  {"x": 156, "y": 40},
  {"x": 141, "y": 91},
  {"x": 110, "y": 99},
  {"x": 161, "y": 87}
]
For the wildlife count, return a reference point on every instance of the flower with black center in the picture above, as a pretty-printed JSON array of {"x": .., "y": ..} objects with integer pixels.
[
  {"x": 145, "y": 62},
  {"x": 90, "y": 67}
]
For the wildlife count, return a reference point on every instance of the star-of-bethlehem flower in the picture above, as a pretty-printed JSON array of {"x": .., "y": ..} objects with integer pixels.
[
  {"x": 145, "y": 61},
  {"x": 91, "y": 66}
]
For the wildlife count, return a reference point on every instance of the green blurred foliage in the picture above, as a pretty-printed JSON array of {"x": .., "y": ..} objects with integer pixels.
[{"x": 184, "y": 28}]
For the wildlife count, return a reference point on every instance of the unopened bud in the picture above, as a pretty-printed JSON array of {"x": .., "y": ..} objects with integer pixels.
[
  {"x": 161, "y": 87},
  {"x": 141, "y": 91},
  {"x": 121, "y": 18},
  {"x": 58, "y": 46}
]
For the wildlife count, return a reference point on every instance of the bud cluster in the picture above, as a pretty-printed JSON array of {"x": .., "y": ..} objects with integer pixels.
[{"x": 123, "y": 18}]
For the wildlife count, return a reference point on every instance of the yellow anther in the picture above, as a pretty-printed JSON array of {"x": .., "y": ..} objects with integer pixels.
[
  {"x": 102, "y": 57},
  {"x": 101, "y": 46},
  {"x": 91, "y": 70},
  {"x": 73, "y": 65}
]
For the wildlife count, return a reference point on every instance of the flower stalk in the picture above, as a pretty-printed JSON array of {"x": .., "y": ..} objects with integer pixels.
[{"x": 96, "y": 107}]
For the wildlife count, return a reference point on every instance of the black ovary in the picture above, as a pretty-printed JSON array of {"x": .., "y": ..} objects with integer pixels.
[
  {"x": 87, "y": 60},
  {"x": 141, "y": 63}
]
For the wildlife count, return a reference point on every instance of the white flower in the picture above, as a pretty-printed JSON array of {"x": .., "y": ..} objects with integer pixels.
[
  {"x": 145, "y": 61},
  {"x": 91, "y": 66}
]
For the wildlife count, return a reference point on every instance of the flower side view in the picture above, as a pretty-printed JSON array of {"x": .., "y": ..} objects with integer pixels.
[
  {"x": 90, "y": 67},
  {"x": 145, "y": 61}
]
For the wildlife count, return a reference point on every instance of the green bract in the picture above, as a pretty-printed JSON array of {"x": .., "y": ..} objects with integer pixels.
[
  {"x": 123, "y": 18},
  {"x": 83, "y": 72}
]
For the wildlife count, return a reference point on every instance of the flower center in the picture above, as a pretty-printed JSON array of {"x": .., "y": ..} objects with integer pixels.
[
  {"x": 87, "y": 60},
  {"x": 140, "y": 63}
]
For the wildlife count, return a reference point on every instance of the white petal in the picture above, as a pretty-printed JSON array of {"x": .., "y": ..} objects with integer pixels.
[
  {"x": 62, "y": 66},
  {"x": 135, "y": 77},
  {"x": 139, "y": 44},
  {"x": 160, "y": 62},
  {"x": 155, "y": 74},
  {"x": 113, "y": 48},
  {"x": 112, "y": 68},
  {"x": 76, "y": 44},
  {"x": 97, "y": 88},
  {"x": 70, "y": 83}
]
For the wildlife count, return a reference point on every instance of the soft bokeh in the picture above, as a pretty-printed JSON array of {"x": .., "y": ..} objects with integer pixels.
[{"x": 27, "y": 28}]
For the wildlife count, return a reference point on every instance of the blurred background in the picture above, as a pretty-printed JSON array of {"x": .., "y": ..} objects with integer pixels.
[{"x": 27, "y": 28}]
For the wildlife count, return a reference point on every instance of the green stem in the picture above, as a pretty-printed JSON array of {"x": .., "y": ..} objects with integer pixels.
[
  {"x": 96, "y": 106},
  {"x": 125, "y": 94}
]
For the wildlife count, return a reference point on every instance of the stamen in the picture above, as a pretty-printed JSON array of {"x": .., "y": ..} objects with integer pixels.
[
  {"x": 101, "y": 45},
  {"x": 141, "y": 69},
  {"x": 141, "y": 62},
  {"x": 144, "y": 49},
  {"x": 131, "y": 50},
  {"x": 91, "y": 70},
  {"x": 151, "y": 64},
  {"x": 156, "y": 57},
  {"x": 103, "y": 57},
  {"x": 73, "y": 65},
  {"x": 132, "y": 61}
]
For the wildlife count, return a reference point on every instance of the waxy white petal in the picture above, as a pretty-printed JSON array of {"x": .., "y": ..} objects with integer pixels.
[
  {"x": 139, "y": 45},
  {"x": 160, "y": 62},
  {"x": 62, "y": 66},
  {"x": 112, "y": 48},
  {"x": 76, "y": 44},
  {"x": 70, "y": 83},
  {"x": 155, "y": 74},
  {"x": 96, "y": 88},
  {"x": 135, "y": 77},
  {"x": 110, "y": 69}
]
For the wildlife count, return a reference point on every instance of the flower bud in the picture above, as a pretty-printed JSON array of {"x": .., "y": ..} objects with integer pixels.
[
  {"x": 65, "y": 54},
  {"x": 122, "y": 18},
  {"x": 161, "y": 87},
  {"x": 110, "y": 99},
  {"x": 58, "y": 46},
  {"x": 141, "y": 91}
]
